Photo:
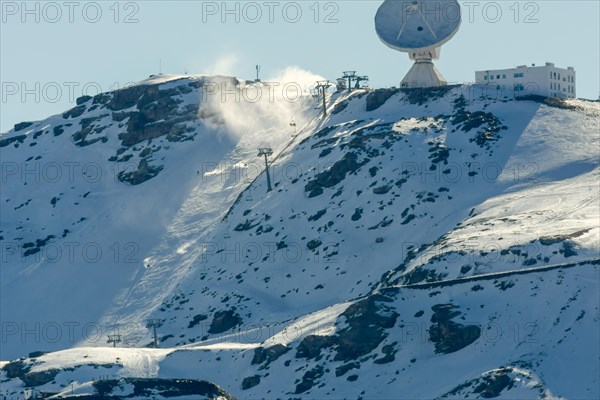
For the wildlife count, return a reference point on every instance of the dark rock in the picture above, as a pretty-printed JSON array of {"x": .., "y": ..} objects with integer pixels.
[
  {"x": 318, "y": 215},
  {"x": 22, "y": 125},
  {"x": 568, "y": 249},
  {"x": 196, "y": 320},
  {"x": 325, "y": 152},
  {"x": 447, "y": 335},
  {"x": 16, "y": 369},
  {"x": 366, "y": 321},
  {"x": 341, "y": 370},
  {"x": 339, "y": 107},
  {"x": 389, "y": 352},
  {"x": 144, "y": 173},
  {"x": 333, "y": 175},
  {"x": 309, "y": 379},
  {"x": 382, "y": 189},
  {"x": 74, "y": 112},
  {"x": 58, "y": 130},
  {"x": 310, "y": 347},
  {"x": 492, "y": 385},
  {"x": 421, "y": 96},
  {"x": 33, "y": 379},
  {"x": 422, "y": 274},
  {"x": 224, "y": 321},
  {"x": 313, "y": 244},
  {"x": 269, "y": 354},
  {"x": 246, "y": 226},
  {"x": 549, "y": 101},
  {"x": 250, "y": 382},
  {"x": 7, "y": 141},
  {"x": 377, "y": 98},
  {"x": 154, "y": 387},
  {"x": 82, "y": 99}
]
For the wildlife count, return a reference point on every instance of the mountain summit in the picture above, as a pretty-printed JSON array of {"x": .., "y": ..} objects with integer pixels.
[{"x": 437, "y": 243}]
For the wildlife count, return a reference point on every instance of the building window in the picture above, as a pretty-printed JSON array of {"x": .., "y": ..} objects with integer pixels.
[
  {"x": 503, "y": 76},
  {"x": 485, "y": 78},
  {"x": 518, "y": 87},
  {"x": 492, "y": 77},
  {"x": 519, "y": 75},
  {"x": 555, "y": 75}
]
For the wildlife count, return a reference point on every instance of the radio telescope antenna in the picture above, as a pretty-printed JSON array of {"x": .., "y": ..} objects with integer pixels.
[{"x": 418, "y": 28}]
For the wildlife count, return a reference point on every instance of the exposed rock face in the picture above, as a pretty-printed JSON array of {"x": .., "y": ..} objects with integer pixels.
[
  {"x": 269, "y": 354},
  {"x": 22, "y": 370},
  {"x": 366, "y": 324},
  {"x": 447, "y": 335},
  {"x": 224, "y": 321},
  {"x": 156, "y": 388},
  {"x": 378, "y": 98},
  {"x": 333, "y": 175},
  {"x": 7, "y": 141},
  {"x": 22, "y": 125},
  {"x": 143, "y": 173},
  {"x": 250, "y": 382}
]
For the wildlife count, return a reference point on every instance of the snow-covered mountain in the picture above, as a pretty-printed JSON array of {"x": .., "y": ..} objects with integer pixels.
[{"x": 439, "y": 243}]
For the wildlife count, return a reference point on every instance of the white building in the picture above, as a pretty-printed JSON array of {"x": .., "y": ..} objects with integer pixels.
[{"x": 547, "y": 80}]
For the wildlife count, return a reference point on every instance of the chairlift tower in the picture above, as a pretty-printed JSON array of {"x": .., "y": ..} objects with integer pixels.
[
  {"x": 114, "y": 339},
  {"x": 266, "y": 152},
  {"x": 257, "y": 73},
  {"x": 350, "y": 75},
  {"x": 154, "y": 323},
  {"x": 321, "y": 86},
  {"x": 360, "y": 79},
  {"x": 293, "y": 126}
]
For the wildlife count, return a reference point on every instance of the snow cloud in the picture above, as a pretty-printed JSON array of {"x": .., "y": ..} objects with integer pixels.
[{"x": 247, "y": 108}]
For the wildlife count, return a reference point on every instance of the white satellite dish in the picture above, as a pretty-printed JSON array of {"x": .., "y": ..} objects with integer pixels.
[{"x": 419, "y": 28}]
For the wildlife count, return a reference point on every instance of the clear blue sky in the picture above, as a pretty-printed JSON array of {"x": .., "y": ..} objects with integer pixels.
[{"x": 65, "y": 49}]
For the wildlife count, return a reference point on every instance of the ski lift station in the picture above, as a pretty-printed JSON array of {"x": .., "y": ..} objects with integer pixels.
[{"x": 547, "y": 80}]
